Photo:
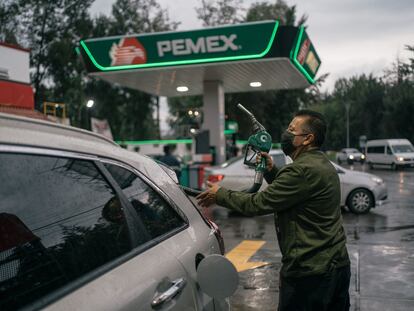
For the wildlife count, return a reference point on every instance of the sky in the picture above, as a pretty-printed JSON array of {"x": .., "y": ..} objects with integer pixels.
[{"x": 352, "y": 37}]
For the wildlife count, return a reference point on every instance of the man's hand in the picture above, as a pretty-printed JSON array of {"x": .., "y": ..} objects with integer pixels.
[
  {"x": 269, "y": 160},
  {"x": 208, "y": 197}
]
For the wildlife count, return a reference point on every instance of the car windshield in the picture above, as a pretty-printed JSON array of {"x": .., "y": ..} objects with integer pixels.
[
  {"x": 403, "y": 148},
  {"x": 230, "y": 161},
  {"x": 352, "y": 150}
]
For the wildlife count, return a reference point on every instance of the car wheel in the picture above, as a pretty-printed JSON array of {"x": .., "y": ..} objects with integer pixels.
[
  {"x": 360, "y": 201},
  {"x": 350, "y": 162},
  {"x": 394, "y": 166},
  {"x": 339, "y": 161},
  {"x": 370, "y": 165}
]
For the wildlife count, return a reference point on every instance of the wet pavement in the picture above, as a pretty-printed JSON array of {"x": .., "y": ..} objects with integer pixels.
[{"x": 380, "y": 244}]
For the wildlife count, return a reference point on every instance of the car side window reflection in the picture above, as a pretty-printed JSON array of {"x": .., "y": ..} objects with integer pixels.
[
  {"x": 279, "y": 160},
  {"x": 156, "y": 214},
  {"x": 59, "y": 220}
]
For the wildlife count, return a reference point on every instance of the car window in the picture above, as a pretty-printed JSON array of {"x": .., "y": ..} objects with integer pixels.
[
  {"x": 402, "y": 148},
  {"x": 376, "y": 149},
  {"x": 231, "y": 161},
  {"x": 156, "y": 214},
  {"x": 59, "y": 220},
  {"x": 279, "y": 160}
]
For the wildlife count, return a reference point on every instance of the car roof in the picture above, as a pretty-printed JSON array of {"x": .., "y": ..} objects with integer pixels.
[
  {"x": 27, "y": 132},
  {"x": 396, "y": 141},
  {"x": 350, "y": 149}
]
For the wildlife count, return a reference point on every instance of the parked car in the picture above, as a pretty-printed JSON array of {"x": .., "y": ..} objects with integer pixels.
[
  {"x": 350, "y": 155},
  {"x": 396, "y": 153},
  {"x": 233, "y": 174},
  {"x": 359, "y": 191},
  {"x": 87, "y": 225}
]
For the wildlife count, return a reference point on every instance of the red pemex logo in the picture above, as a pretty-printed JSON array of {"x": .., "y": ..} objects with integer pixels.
[{"x": 128, "y": 51}]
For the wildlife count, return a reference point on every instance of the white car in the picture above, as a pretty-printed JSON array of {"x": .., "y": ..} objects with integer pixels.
[
  {"x": 350, "y": 155},
  {"x": 359, "y": 191},
  {"x": 87, "y": 225}
]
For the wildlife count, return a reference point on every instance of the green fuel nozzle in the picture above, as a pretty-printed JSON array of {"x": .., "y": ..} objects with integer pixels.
[{"x": 260, "y": 141}]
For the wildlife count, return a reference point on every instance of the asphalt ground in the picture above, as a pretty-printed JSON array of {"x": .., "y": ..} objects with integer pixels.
[{"x": 380, "y": 244}]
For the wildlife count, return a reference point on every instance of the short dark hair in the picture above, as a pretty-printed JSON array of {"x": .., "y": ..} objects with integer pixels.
[
  {"x": 315, "y": 124},
  {"x": 167, "y": 149}
]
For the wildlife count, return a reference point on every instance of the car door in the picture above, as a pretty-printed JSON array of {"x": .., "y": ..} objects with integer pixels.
[
  {"x": 389, "y": 156},
  {"x": 68, "y": 241},
  {"x": 173, "y": 288},
  {"x": 238, "y": 176},
  {"x": 345, "y": 185}
]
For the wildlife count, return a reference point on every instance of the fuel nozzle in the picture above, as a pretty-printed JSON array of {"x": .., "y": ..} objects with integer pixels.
[
  {"x": 259, "y": 141},
  {"x": 257, "y": 127}
]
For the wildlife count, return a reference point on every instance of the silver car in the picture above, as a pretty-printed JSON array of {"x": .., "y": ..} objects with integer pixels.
[
  {"x": 350, "y": 155},
  {"x": 87, "y": 225},
  {"x": 359, "y": 191}
]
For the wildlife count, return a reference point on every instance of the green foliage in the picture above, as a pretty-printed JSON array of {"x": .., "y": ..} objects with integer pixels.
[
  {"x": 180, "y": 121},
  {"x": 280, "y": 10},
  {"x": 274, "y": 109},
  {"x": 379, "y": 107},
  {"x": 220, "y": 12},
  {"x": 52, "y": 29}
]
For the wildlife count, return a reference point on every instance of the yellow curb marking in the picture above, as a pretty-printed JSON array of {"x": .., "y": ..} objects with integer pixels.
[{"x": 240, "y": 255}]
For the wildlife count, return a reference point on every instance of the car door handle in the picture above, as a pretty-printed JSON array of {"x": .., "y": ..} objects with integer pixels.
[{"x": 177, "y": 286}]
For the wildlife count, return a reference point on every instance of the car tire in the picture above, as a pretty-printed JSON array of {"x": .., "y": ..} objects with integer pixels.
[
  {"x": 370, "y": 165},
  {"x": 360, "y": 201},
  {"x": 350, "y": 162},
  {"x": 394, "y": 166},
  {"x": 339, "y": 161}
]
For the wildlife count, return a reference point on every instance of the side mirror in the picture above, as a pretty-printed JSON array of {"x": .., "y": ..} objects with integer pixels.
[{"x": 217, "y": 276}]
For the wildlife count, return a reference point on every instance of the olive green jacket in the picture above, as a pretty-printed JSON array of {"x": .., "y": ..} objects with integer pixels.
[{"x": 305, "y": 199}]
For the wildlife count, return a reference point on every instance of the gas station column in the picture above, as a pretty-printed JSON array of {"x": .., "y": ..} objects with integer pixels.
[{"x": 213, "y": 108}]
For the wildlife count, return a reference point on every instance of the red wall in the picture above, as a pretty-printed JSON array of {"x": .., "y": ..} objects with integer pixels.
[{"x": 16, "y": 94}]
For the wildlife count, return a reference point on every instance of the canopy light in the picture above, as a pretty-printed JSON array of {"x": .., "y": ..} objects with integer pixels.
[
  {"x": 255, "y": 84},
  {"x": 182, "y": 89},
  {"x": 190, "y": 112},
  {"x": 196, "y": 113},
  {"x": 90, "y": 103}
]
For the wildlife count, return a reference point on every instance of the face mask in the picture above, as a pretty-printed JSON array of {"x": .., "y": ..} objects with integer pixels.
[{"x": 287, "y": 143}]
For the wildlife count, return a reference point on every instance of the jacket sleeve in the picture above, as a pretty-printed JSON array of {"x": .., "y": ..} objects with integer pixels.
[
  {"x": 287, "y": 190},
  {"x": 270, "y": 176}
]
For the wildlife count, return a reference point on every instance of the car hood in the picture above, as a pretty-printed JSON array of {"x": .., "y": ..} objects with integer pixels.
[
  {"x": 360, "y": 175},
  {"x": 405, "y": 155}
]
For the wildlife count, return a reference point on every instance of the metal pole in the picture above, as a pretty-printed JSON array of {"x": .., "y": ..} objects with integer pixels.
[{"x": 347, "y": 106}]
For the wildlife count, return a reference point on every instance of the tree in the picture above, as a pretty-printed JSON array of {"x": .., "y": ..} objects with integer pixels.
[
  {"x": 280, "y": 11},
  {"x": 220, "y": 12},
  {"x": 129, "y": 112},
  {"x": 274, "y": 108},
  {"x": 8, "y": 22}
]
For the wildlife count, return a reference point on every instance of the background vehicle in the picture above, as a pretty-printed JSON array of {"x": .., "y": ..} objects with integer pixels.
[
  {"x": 87, "y": 225},
  {"x": 350, "y": 155},
  {"x": 233, "y": 174},
  {"x": 396, "y": 153},
  {"x": 359, "y": 191}
]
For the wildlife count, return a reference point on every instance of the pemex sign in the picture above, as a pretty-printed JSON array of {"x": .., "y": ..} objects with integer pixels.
[
  {"x": 227, "y": 43},
  {"x": 304, "y": 55}
]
